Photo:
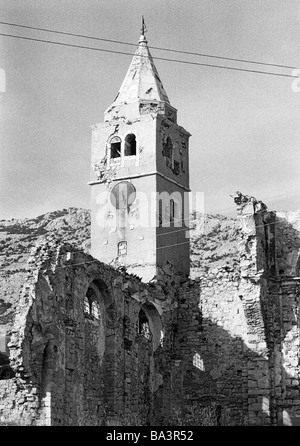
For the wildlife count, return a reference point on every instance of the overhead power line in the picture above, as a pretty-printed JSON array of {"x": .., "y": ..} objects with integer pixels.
[
  {"x": 83, "y": 36},
  {"x": 156, "y": 58}
]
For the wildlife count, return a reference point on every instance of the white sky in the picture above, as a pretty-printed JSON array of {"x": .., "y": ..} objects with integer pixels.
[{"x": 245, "y": 127}]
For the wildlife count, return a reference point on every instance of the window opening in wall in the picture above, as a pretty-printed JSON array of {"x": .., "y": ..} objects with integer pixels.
[
  {"x": 122, "y": 248},
  {"x": 176, "y": 167},
  {"x": 172, "y": 211},
  {"x": 160, "y": 217},
  {"x": 48, "y": 361},
  {"x": 130, "y": 145},
  {"x": 91, "y": 304},
  {"x": 167, "y": 148},
  {"x": 144, "y": 327},
  {"x": 198, "y": 362},
  {"x": 115, "y": 148},
  {"x": 178, "y": 214},
  {"x": 150, "y": 325}
]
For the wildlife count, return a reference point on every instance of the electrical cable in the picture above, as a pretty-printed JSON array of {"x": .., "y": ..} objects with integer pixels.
[
  {"x": 152, "y": 47},
  {"x": 156, "y": 58}
]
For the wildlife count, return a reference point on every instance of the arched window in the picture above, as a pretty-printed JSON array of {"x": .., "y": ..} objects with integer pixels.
[
  {"x": 144, "y": 327},
  {"x": 150, "y": 325},
  {"x": 91, "y": 304},
  {"x": 176, "y": 213},
  {"x": 172, "y": 211},
  {"x": 130, "y": 145},
  {"x": 115, "y": 147}
]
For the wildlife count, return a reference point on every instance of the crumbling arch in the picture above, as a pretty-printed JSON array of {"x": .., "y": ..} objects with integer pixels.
[
  {"x": 91, "y": 302},
  {"x": 150, "y": 324},
  {"x": 97, "y": 295},
  {"x": 101, "y": 354},
  {"x": 95, "y": 301},
  {"x": 95, "y": 337},
  {"x": 48, "y": 365},
  {"x": 144, "y": 326}
]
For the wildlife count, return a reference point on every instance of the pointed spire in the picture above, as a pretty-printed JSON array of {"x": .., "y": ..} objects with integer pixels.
[{"x": 142, "y": 81}]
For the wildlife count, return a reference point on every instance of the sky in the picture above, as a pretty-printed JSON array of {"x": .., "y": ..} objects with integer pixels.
[{"x": 245, "y": 126}]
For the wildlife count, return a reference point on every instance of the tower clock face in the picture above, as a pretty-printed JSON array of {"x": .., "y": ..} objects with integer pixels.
[{"x": 122, "y": 195}]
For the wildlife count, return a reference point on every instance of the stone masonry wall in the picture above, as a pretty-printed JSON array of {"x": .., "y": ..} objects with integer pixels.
[
  {"x": 288, "y": 243},
  {"x": 221, "y": 349},
  {"x": 214, "y": 348},
  {"x": 239, "y": 341},
  {"x": 72, "y": 367},
  {"x": 221, "y": 340},
  {"x": 282, "y": 308}
]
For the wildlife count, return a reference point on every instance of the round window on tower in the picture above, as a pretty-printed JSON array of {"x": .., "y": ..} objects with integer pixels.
[{"x": 122, "y": 195}]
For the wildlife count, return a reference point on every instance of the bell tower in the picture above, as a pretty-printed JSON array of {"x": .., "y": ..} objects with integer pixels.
[{"x": 140, "y": 176}]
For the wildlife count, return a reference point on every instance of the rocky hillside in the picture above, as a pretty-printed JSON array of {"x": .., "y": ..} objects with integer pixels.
[
  {"x": 214, "y": 242},
  {"x": 17, "y": 237}
]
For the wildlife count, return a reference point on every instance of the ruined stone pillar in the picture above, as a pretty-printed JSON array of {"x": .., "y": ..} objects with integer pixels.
[{"x": 257, "y": 263}]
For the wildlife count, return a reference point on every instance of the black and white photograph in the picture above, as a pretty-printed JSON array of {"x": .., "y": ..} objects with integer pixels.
[{"x": 149, "y": 216}]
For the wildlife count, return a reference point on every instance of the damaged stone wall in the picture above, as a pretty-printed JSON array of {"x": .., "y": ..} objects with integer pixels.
[
  {"x": 221, "y": 349},
  {"x": 257, "y": 263},
  {"x": 282, "y": 336},
  {"x": 221, "y": 342},
  {"x": 288, "y": 243},
  {"x": 245, "y": 349},
  {"x": 271, "y": 310},
  {"x": 73, "y": 366},
  {"x": 212, "y": 339}
]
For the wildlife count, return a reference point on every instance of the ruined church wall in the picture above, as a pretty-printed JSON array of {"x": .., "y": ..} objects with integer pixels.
[
  {"x": 288, "y": 243},
  {"x": 225, "y": 348},
  {"x": 282, "y": 330},
  {"x": 223, "y": 345},
  {"x": 19, "y": 402},
  {"x": 228, "y": 354},
  {"x": 276, "y": 336},
  {"x": 251, "y": 326},
  {"x": 20, "y": 396},
  {"x": 238, "y": 359},
  {"x": 212, "y": 341},
  {"x": 74, "y": 369}
]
